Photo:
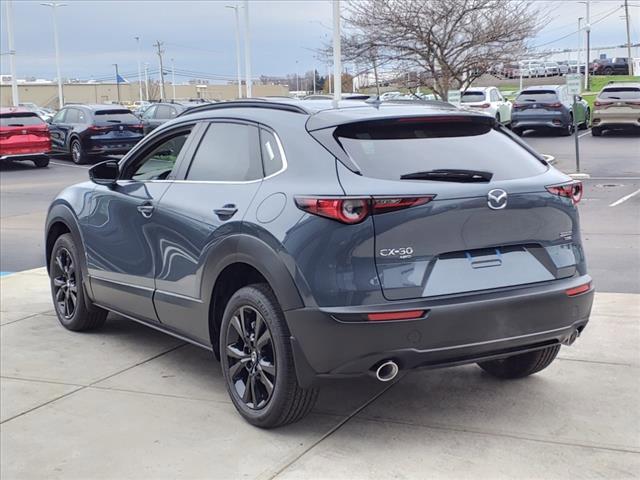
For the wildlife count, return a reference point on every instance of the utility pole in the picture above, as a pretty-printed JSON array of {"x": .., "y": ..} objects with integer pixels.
[
  {"x": 158, "y": 46},
  {"x": 54, "y": 6},
  {"x": 247, "y": 50},
  {"x": 579, "y": 43},
  {"x": 173, "y": 78},
  {"x": 117, "y": 81},
  {"x": 626, "y": 17},
  {"x": 588, "y": 28},
  {"x": 337, "y": 55},
  {"x": 139, "y": 69},
  {"x": 12, "y": 56},
  {"x": 146, "y": 81},
  {"x": 314, "y": 80},
  {"x": 238, "y": 68}
]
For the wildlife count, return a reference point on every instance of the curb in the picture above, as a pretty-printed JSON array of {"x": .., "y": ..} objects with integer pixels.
[{"x": 579, "y": 176}]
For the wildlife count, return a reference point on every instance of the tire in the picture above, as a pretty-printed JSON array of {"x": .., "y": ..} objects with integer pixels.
[
  {"x": 242, "y": 360},
  {"x": 66, "y": 284},
  {"x": 565, "y": 132},
  {"x": 608, "y": 71},
  {"x": 78, "y": 155},
  {"x": 41, "y": 163},
  {"x": 596, "y": 131},
  {"x": 498, "y": 118},
  {"x": 584, "y": 125},
  {"x": 521, "y": 365}
]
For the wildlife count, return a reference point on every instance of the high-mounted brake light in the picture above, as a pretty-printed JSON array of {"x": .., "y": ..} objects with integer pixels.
[
  {"x": 391, "y": 316},
  {"x": 572, "y": 292},
  {"x": 352, "y": 210},
  {"x": 482, "y": 105},
  {"x": 572, "y": 190}
]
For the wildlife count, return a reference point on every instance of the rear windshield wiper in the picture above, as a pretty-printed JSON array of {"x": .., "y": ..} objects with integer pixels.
[{"x": 449, "y": 175}]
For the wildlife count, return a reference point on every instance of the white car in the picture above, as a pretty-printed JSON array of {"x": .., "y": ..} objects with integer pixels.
[{"x": 488, "y": 100}]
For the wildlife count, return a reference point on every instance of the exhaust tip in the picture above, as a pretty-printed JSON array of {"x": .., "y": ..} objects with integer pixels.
[{"x": 387, "y": 371}]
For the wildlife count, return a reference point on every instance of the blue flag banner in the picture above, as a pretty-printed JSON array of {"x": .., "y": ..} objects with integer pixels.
[{"x": 119, "y": 79}]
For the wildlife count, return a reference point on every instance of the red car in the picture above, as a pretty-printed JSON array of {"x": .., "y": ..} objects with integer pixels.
[{"x": 24, "y": 136}]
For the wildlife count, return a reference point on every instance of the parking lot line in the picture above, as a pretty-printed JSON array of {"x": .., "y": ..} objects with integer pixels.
[
  {"x": 625, "y": 198},
  {"x": 585, "y": 133},
  {"x": 67, "y": 165}
]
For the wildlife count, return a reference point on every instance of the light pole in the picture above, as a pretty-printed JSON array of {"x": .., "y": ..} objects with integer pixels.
[
  {"x": 337, "y": 55},
  {"x": 588, "y": 28},
  {"x": 139, "y": 69},
  {"x": 238, "y": 67},
  {"x": 12, "y": 56},
  {"x": 54, "y": 6},
  {"x": 297, "y": 78},
  {"x": 247, "y": 50},
  {"x": 173, "y": 78},
  {"x": 117, "y": 81},
  {"x": 626, "y": 17},
  {"x": 146, "y": 81},
  {"x": 579, "y": 44}
]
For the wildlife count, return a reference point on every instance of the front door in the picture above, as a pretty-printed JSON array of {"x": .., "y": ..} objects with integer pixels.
[
  {"x": 120, "y": 227},
  {"x": 58, "y": 129}
]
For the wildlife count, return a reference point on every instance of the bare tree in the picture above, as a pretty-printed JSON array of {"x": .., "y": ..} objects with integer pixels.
[{"x": 452, "y": 41}]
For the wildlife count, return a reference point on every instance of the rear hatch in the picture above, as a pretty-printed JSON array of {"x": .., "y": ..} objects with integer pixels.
[
  {"x": 537, "y": 103},
  {"x": 622, "y": 101},
  {"x": 485, "y": 219},
  {"x": 116, "y": 125},
  {"x": 23, "y": 133}
]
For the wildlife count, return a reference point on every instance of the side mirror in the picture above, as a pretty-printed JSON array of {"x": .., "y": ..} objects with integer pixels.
[{"x": 105, "y": 173}]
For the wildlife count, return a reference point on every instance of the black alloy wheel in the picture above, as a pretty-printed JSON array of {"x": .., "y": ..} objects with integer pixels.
[
  {"x": 251, "y": 357},
  {"x": 64, "y": 282}
]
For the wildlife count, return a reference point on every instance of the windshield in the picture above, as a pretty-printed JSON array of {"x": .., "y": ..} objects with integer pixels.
[
  {"x": 471, "y": 97},
  {"x": 621, "y": 93}
]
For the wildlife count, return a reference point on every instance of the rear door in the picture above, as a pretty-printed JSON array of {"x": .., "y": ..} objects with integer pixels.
[{"x": 491, "y": 224}]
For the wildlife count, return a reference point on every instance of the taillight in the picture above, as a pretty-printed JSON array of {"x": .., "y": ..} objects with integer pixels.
[
  {"x": 554, "y": 105},
  {"x": 99, "y": 130},
  {"x": 572, "y": 190},
  {"x": 601, "y": 104},
  {"x": 572, "y": 292},
  {"x": 391, "y": 316},
  {"x": 518, "y": 106},
  {"x": 484, "y": 105},
  {"x": 631, "y": 102},
  {"x": 352, "y": 210}
]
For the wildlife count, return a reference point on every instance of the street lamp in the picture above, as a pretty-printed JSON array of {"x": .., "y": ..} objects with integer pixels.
[
  {"x": 12, "y": 56},
  {"x": 139, "y": 69},
  {"x": 247, "y": 50},
  {"x": 238, "y": 68},
  {"x": 54, "y": 6}
]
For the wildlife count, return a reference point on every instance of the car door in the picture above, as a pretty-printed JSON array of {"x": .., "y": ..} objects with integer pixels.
[
  {"x": 504, "y": 107},
  {"x": 196, "y": 215},
  {"x": 120, "y": 226},
  {"x": 58, "y": 130},
  {"x": 147, "y": 119}
]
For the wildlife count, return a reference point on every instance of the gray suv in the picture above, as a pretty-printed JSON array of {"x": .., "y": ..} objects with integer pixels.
[{"x": 300, "y": 242}]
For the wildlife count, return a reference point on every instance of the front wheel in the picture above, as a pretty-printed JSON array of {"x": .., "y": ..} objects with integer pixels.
[
  {"x": 521, "y": 365},
  {"x": 257, "y": 360},
  {"x": 77, "y": 152}
]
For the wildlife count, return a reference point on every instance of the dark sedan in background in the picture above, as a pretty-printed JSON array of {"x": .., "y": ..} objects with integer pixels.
[
  {"x": 159, "y": 113},
  {"x": 548, "y": 107},
  {"x": 83, "y": 131}
]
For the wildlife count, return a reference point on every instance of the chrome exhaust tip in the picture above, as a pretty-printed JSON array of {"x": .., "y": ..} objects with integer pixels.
[
  {"x": 387, "y": 371},
  {"x": 571, "y": 338}
]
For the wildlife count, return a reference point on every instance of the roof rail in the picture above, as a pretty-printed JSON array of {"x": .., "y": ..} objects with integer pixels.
[{"x": 250, "y": 103}]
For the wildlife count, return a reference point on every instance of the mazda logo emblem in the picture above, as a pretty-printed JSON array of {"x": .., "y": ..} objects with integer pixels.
[{"x": 497, "y": 199}]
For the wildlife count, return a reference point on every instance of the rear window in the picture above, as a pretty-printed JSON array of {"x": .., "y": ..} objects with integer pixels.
[
  {"x": 620, "y": 93},
  {"x": 537, "y": 96},
  {"x": 388, "y": 151},
  {"x": 470, "y": 97},
  {"x": 20, "y": 119},
  {"x": 116, "y": 116}
]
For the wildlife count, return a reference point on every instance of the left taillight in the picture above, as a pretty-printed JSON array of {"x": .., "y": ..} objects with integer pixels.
[
  {"x": 352, "y": 210},
  {"x": 572, "y": 190}
]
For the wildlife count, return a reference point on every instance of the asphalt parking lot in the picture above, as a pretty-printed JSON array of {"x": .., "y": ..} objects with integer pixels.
[{"x": 128, "y": 402}]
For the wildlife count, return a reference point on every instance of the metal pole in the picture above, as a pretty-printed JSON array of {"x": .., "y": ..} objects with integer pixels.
[
  {"x": 588, "y": 28},
  {"x": 247, "y": 50},
  {"x": 575, "y": 132},
  {"x": 626, "y": 16},
  {"x": 146, "y": 81},
  {"x": 173, "y": 78},
  {"x": 329, "y": 77},
  {"x": 12, "y": 56},
  {"x": 579, "y": 43},
  {"x": 314, "y": 80},
  {"x": 297, "y": 78},
  {"x": 117, "y": 81},
  {"x": 139, "y": 69},
  {"x": 158, "y": 45},
  {"x": 337, "y": 55},
  {"x": 54, "y": 6},
  {"x": 238, "y": 68}
]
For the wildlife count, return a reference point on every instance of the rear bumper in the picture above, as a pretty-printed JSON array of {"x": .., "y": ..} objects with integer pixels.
[
  {"x": 559, "y": 121},
  {"x": 455, "y": 330},
  {"x": 616, "y": 120},
  {"x": 23, "y": 157}
]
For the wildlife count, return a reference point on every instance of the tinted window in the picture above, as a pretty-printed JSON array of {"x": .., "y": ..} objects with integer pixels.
[
  {"x": 494, "y": 96},
  {"x": 620, "y": 93},
  {"x": 271, "y": 154},
  {"x": 59, "y": 117},
  {"x": 159, "y": 162},
  {"x": 165, "y": 111},
  {"x": 470, "y": 97},
  {"x": 537, "y": 96},
  {"x": 389, "y": 151},
  {"x": 148, "y": 113},
  {"x": 116, "y": 116},
  {"x": 20, "y": 119},
  {"x": 72, "y": 116},
  {"x": 228, "y": 152}
]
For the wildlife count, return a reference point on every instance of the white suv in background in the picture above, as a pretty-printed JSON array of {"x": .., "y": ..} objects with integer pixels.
[{"x": 488, "y": 100}]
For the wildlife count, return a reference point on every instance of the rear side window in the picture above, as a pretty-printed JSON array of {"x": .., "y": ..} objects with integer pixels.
[
  {"x": 272, "y": 155},
  {"x": 537, "y": 96},
  {"x": 390, "y": 151},
  {"x": 471, "y": 97},
  {"x": 116, "y": 116},
  {"x": 620, "y": 93},
  {"x": 20, "y": 120},
  {"x": 228, "y": 152}
]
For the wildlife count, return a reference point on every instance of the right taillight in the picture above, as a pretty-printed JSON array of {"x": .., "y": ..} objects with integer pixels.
[
  {"x": 352, "y": 210},
  {"x": 572, "y": 190}
]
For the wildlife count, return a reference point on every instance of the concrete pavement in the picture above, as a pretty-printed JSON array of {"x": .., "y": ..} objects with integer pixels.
[{"x": 129, "y": 402}]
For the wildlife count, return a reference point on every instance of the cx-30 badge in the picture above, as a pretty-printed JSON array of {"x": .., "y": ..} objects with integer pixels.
[{"x": 497, "y": 199}]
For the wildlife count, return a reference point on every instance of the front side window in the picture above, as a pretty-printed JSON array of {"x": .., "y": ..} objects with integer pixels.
[
  {"x": 59, "y": 117},
  {"x": 165, "y": 111},
  {"x": 160, "y": 161},
  {"x": 228, "y": 152},
  {"x": 148, "y": 113},
  {"x": 72, "y": 116}
]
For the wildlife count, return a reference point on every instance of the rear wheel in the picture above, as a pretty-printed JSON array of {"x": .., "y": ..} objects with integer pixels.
[
  {"x": 73, "y": 308},
  {"x": 596, "y": 131},
  {"x": 77, "y": 152},
  {"x": 498, "y": 118},
  {"x": 521, "y": 365},
  {"x": 587, "y": 117},
  {"x": 568, "y": 130},
  {"x": 257, "y": 360},
  {"x": 41, "y": 162}
]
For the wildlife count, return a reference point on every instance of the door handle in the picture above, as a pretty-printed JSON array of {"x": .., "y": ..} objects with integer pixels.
[
  {"x": 226, "y": 212},
  {"x": 146, "y": 209}
]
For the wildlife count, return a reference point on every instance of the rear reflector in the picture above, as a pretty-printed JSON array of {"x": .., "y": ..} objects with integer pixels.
[
  {"x": 572, "y": 292},
  {"x": 390, "y": 316}
]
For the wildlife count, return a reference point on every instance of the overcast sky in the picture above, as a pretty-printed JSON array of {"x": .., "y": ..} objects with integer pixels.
[{"x": 200, "y": 35}]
